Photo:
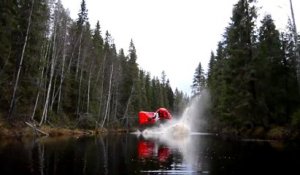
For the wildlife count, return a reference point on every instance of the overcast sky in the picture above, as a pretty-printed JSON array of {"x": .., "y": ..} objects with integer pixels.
[{"x": 172, "y": 35}]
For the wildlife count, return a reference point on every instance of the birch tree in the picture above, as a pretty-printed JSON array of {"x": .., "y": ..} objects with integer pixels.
[
  {"x": 52, "y": 66},
  {"x": 108, "y": 97}
]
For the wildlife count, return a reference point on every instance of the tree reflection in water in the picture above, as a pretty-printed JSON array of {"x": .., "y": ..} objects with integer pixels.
[{"x": 132, "y": 154}]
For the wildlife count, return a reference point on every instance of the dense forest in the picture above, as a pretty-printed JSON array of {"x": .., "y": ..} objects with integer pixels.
[
  {"x": 56, "y": 70},
  {"x": 252, "y": 76}
]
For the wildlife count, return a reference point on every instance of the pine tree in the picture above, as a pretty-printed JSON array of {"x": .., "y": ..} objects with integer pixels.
[
  {"x": 170, "y": 96},
  {"x": 180, "y": 102},
  {"x": 240, "y": 93},
  {"x": 270, "y": 81},
  {"x": 211, "y": 68},
  {"x": 133, "y": 74},
  {"x": 199, "y": 81}
]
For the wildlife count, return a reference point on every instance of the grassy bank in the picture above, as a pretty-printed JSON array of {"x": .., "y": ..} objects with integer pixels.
[{"x": 20, "y": 130}]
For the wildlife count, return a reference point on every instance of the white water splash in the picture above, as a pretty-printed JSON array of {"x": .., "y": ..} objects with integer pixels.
[
  {"x": 177, "y": 134},
  {"x": 190, "y": 121}
]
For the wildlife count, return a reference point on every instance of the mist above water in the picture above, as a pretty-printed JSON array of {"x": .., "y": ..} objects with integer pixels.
[
  {"x": 192, "y": 119},
  {"x": 194, "y": 116},
  {"x": 178, "y": 133}
]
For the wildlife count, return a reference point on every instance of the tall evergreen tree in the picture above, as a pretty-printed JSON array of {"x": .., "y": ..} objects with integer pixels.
[
  {"x": 270, "y": 81},
  {"x": 133, "y": 74},
  {"x": 240, "y": 93},
  {"x": 199, "y": 81}
]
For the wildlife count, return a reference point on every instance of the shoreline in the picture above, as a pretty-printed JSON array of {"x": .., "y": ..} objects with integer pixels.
[
  {"x": 27, "y": 131},
  {"x": 278, "y": 133}
]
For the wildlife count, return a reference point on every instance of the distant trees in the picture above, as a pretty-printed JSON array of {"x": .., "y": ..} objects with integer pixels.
[
  {"x": 57, "y": 70},
  {"x": 199, "y": 81},
  {"x": 252, "y": 76}
]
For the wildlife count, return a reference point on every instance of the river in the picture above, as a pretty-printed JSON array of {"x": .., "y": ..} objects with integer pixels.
[{"x": 198, "y": 153}]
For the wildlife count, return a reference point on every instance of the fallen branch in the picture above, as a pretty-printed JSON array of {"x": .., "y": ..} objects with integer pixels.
[{"x": 36, "y": 130}]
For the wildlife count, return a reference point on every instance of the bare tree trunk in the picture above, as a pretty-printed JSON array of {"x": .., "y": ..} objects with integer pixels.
[
  {"x": 102, "y": 87},
  {"x": 71, "y": 60},
  {"x": 45, "y": 111},
  {"x": 13, "y": 100},
  {"x": 53, "y": 93},
  {"x": 53, "y": 61},
  {"x": 101, "y": 70},
  {"x": 296, "y": 44},
  {"x": 79, "y": 52},
  {"x": 109, "y": 96},
  {"x": 116, "y": 104},
  {"x": 117, "y": 92},
  {"x": 35, "y": 104},
  {"x": 127, "y": 105},
  {"x": 42, "y": 68},
  {"x": 104, "y": 156},
  {"x": 79, "y": 90},
  {"x": 88, "y": 91},
  {"x": 62, "y": 71}
]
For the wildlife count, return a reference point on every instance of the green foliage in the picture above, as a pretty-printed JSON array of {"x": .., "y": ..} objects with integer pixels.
[
  {"x": 199, "y": 81},
  {"x": 252, "y": 76},
  {"x": 180, "y": 102},
  {"x": 70, "y": 73},
  {"x": 82, "y": 15}
]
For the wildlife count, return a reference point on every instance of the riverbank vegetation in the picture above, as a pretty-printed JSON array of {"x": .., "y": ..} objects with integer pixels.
[
  {"x": 252, "y": 77},
  {"x": 61, "y": 72}
]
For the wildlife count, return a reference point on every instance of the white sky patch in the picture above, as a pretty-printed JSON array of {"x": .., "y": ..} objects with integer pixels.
[{"x": 172, "y": 35}]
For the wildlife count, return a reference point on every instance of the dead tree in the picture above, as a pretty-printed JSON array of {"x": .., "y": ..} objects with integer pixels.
[
  {"x": 109, "y": 96},
  {"x": 52, "y": 66}
]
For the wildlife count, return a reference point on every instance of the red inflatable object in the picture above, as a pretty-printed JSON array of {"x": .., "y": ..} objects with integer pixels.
[
  {"x": 150, "y": 117},
  {"x": 146, "y": 117},
  {"x": 164, "y": 113}
]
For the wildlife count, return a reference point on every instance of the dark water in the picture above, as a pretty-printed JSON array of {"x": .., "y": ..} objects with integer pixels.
[{"x": 130, "y": 154}]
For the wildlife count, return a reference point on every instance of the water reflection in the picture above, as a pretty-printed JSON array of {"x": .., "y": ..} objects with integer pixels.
[
  {"x": 183, "y": 154},
  {"x": 148, "y": 149},
  {"x": 156, "y": 154}
]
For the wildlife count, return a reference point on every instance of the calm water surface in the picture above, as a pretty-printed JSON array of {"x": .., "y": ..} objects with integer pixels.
[{"x": 132, "y": 154}]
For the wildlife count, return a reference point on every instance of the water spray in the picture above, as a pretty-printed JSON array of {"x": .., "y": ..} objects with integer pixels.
[{"x": 187, "y": 123}]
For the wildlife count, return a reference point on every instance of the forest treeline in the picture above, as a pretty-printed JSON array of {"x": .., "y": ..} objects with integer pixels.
[
  {"x": 54, "y": 69},
  {"x": 57, "y": 70},
  {"x": 252, "y": 76}
]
